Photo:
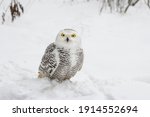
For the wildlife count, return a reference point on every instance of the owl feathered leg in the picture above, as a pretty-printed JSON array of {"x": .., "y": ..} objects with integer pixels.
[
  {"x": 61, "y": 81},
  {"x": 41, "y": 74}
]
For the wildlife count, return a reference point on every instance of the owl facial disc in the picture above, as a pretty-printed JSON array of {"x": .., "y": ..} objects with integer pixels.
[{"x": 68, "y": 39}]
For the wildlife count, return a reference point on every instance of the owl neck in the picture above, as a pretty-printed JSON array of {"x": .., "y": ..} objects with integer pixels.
[{"x": 68, "y": 46}]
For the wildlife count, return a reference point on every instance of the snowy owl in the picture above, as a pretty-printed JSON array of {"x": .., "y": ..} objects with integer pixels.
[{"x": 63, "y": 58}]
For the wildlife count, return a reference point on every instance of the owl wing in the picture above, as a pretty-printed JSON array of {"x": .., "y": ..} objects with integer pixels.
[
  {"x": 49, "y": 62},
  {"x": 81, "y": 58}
]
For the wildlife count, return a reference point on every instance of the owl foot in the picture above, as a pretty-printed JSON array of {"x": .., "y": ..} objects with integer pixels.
[
  {"x": 64, "y": 80},
  {"x": 41, "y": 74}
]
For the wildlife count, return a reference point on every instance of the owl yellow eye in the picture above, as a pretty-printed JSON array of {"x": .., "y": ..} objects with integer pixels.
[
  {"x": 73, "y": 35},
  {"x": 62, "y": 34}
]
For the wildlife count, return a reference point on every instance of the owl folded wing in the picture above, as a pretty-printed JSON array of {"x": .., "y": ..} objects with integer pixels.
[{"x": 49, "y": 63}]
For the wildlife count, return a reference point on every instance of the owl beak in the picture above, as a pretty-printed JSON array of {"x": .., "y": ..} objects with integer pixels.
[{"x": 67, "y": 39}]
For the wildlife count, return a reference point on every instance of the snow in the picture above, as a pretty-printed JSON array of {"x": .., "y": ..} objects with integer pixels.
[{"x": 117, "y": 57}]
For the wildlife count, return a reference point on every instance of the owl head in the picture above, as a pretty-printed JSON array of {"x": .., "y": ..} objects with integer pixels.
[{"x": 68, "y": 38}]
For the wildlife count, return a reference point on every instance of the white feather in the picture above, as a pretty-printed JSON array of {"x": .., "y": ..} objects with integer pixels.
[{"x": 73, "y": 57}]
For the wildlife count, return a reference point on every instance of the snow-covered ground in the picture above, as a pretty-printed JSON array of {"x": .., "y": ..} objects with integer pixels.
[{"x": 117, "y": 52}]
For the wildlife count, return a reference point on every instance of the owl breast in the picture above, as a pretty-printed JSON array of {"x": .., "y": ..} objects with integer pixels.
[{"x": 67, "y": 66}]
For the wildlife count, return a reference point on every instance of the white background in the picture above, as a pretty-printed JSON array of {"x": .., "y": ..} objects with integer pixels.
[{"x": 6, "y": 108}]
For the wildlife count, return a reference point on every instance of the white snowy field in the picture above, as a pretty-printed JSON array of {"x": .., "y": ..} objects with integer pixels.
[{"x": 117, "y": 52}]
